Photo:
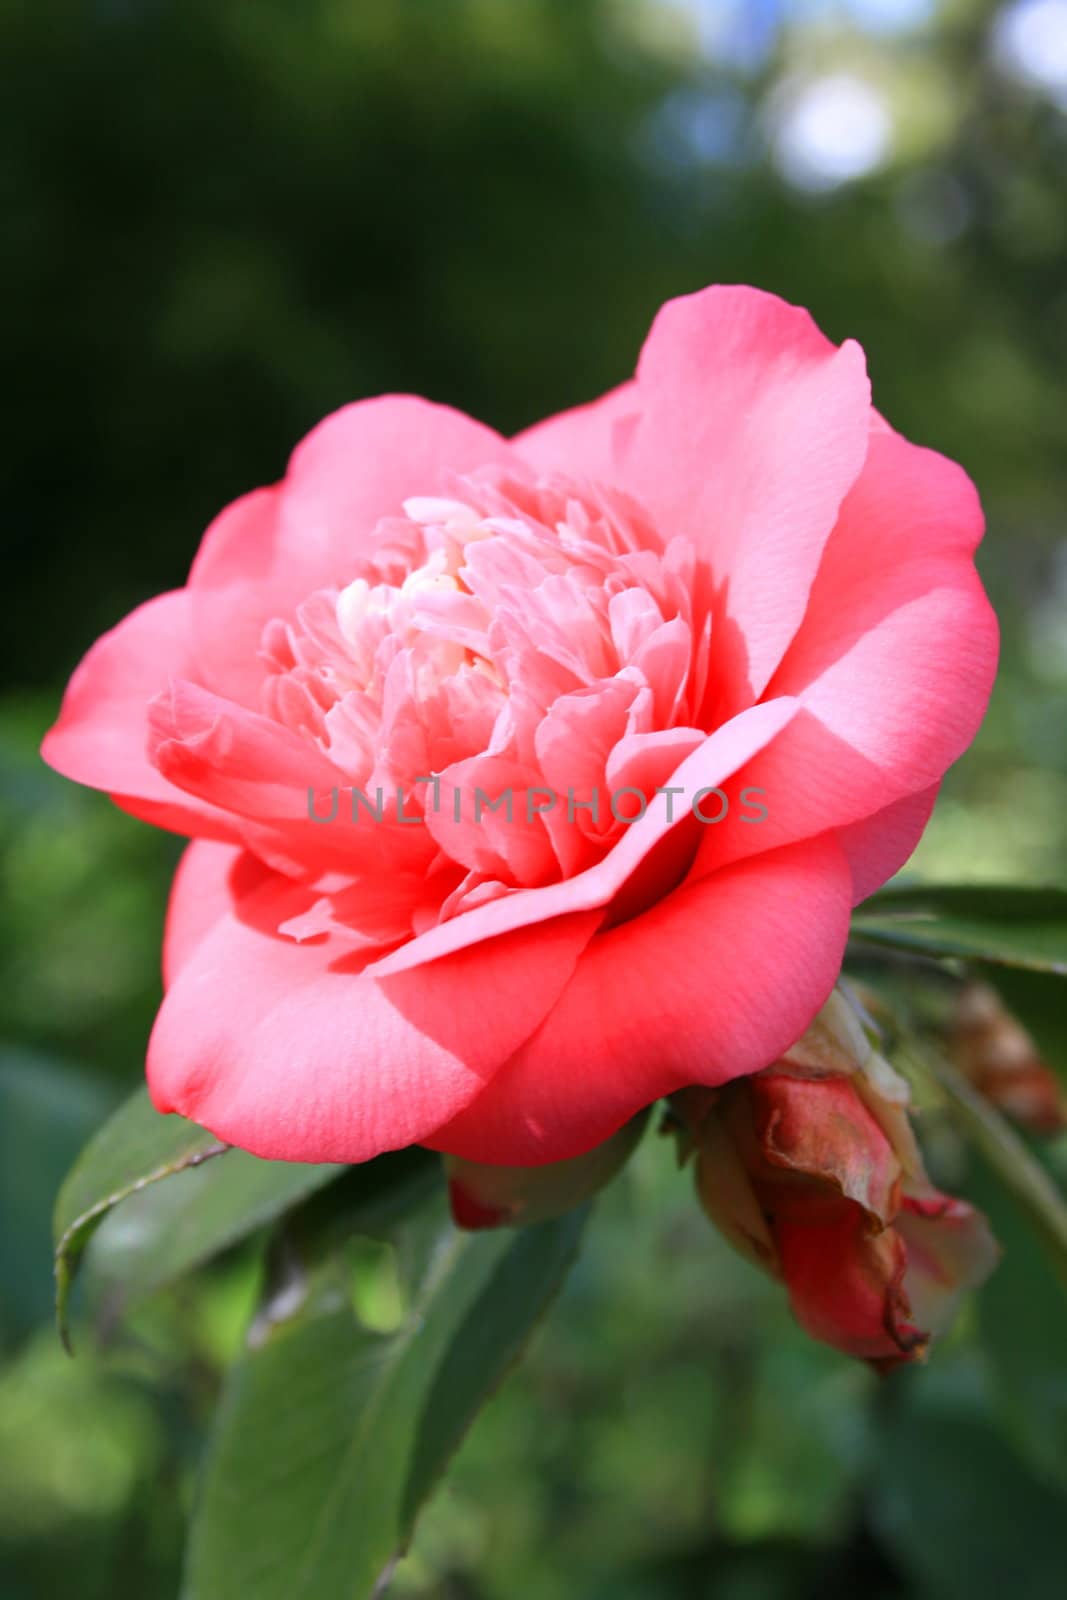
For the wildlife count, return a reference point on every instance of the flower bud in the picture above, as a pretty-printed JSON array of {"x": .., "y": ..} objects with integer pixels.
[
  {"x": 994, "y": 1050},
  {"x": 811, "y": 1169},
  {"x": 485, "y": 1196}
]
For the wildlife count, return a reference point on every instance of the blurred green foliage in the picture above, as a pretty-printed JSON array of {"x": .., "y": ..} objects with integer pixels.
[{"x": 226, "y": 217}]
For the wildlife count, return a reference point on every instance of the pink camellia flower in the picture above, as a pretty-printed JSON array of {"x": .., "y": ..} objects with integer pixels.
[{"x": 728, "y": 579}]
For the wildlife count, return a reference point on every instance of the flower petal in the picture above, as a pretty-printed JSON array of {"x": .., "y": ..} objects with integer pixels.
[
  {"x": 951, "y": 1249},
  {"x": 893, "y": 668},
  {"x": 209, "y": 880},
  {"x": 268, "y": 551},
  {"x": 294, "y": 1052},
  {"x": 753, "y": 427},
  {"x": 846, "y": 1286},
  {"x": 879, "y": 845},
  {"x": 101, "y": 733},
  {"x": 585, "y": 441},
  {"x": 712, "y": 983},
  {"x": 899, "y": 645},
  {"x": 256, "y": 772},
  {"x": 819, "y": 1129},
  {"x": 715, "y": 760}
]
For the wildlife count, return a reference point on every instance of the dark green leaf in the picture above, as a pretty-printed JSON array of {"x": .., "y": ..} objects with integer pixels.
[
  {"x": 164, "y": 1230},
  {"x": 1008, "y": 927},
  {"x": 135, "y": 1148},
  {"x": 131, "y": 1152},
  {"x": 331, "y": 1437},
  {"x": 368, "y": 1199}
]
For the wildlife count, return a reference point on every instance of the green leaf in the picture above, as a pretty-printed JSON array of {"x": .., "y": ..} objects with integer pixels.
[
  {"x": 134, "y": 1150},
  {"x": 165, "y": 1230},
  {"x": 1007, "y": 927},
  {"x": 330, "y": 1437},
  {"x": 368, "y": 1199}
]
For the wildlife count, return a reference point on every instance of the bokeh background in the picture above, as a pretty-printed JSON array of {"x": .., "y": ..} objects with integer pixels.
[{"x": 224, "y": 218}]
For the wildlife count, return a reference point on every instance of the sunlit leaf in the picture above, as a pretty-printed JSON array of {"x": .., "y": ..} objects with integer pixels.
[{"x": 1005, "y": 926}]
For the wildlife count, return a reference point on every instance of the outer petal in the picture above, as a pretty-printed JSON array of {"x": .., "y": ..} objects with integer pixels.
[
  {"x": 932, "y": 697},
  {"x": 911, "y": 523},
  {"x": 846, "y": 1286},
  {"x": 493, "y": 1196},
  {"x": 899, "y": 645},
  {"x": 879, "y": 846},
  {"x": 714, "y": 982},
  {"x": 101, "y": 734},
  {"x": 893, "y": 666},
  {"x": 950, "y": 1250},
  {"x": 241, "y": 577},
  {"x": 753, "y": 428},
  {"x": 727, "y": 1194},
  {"x": 293, "y": 1052},
  {"x": 586, "y": 441},
  {"x": 268, "y": 551},
  {"x": 821, "y": 1130},
  {"x": 210, "y": 877}
]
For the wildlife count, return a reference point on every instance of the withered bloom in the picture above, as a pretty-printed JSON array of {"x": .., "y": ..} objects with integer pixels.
[
  {"x": 811, "y": 1169},
  {"x": 993, "y": 1049}
]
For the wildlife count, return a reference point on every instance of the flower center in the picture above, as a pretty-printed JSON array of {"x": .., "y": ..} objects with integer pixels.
[{"x": 537, "y": 634}]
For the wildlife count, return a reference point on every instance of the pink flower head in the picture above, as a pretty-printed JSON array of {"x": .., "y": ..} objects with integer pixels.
[{"x": 530, "y": 780}]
